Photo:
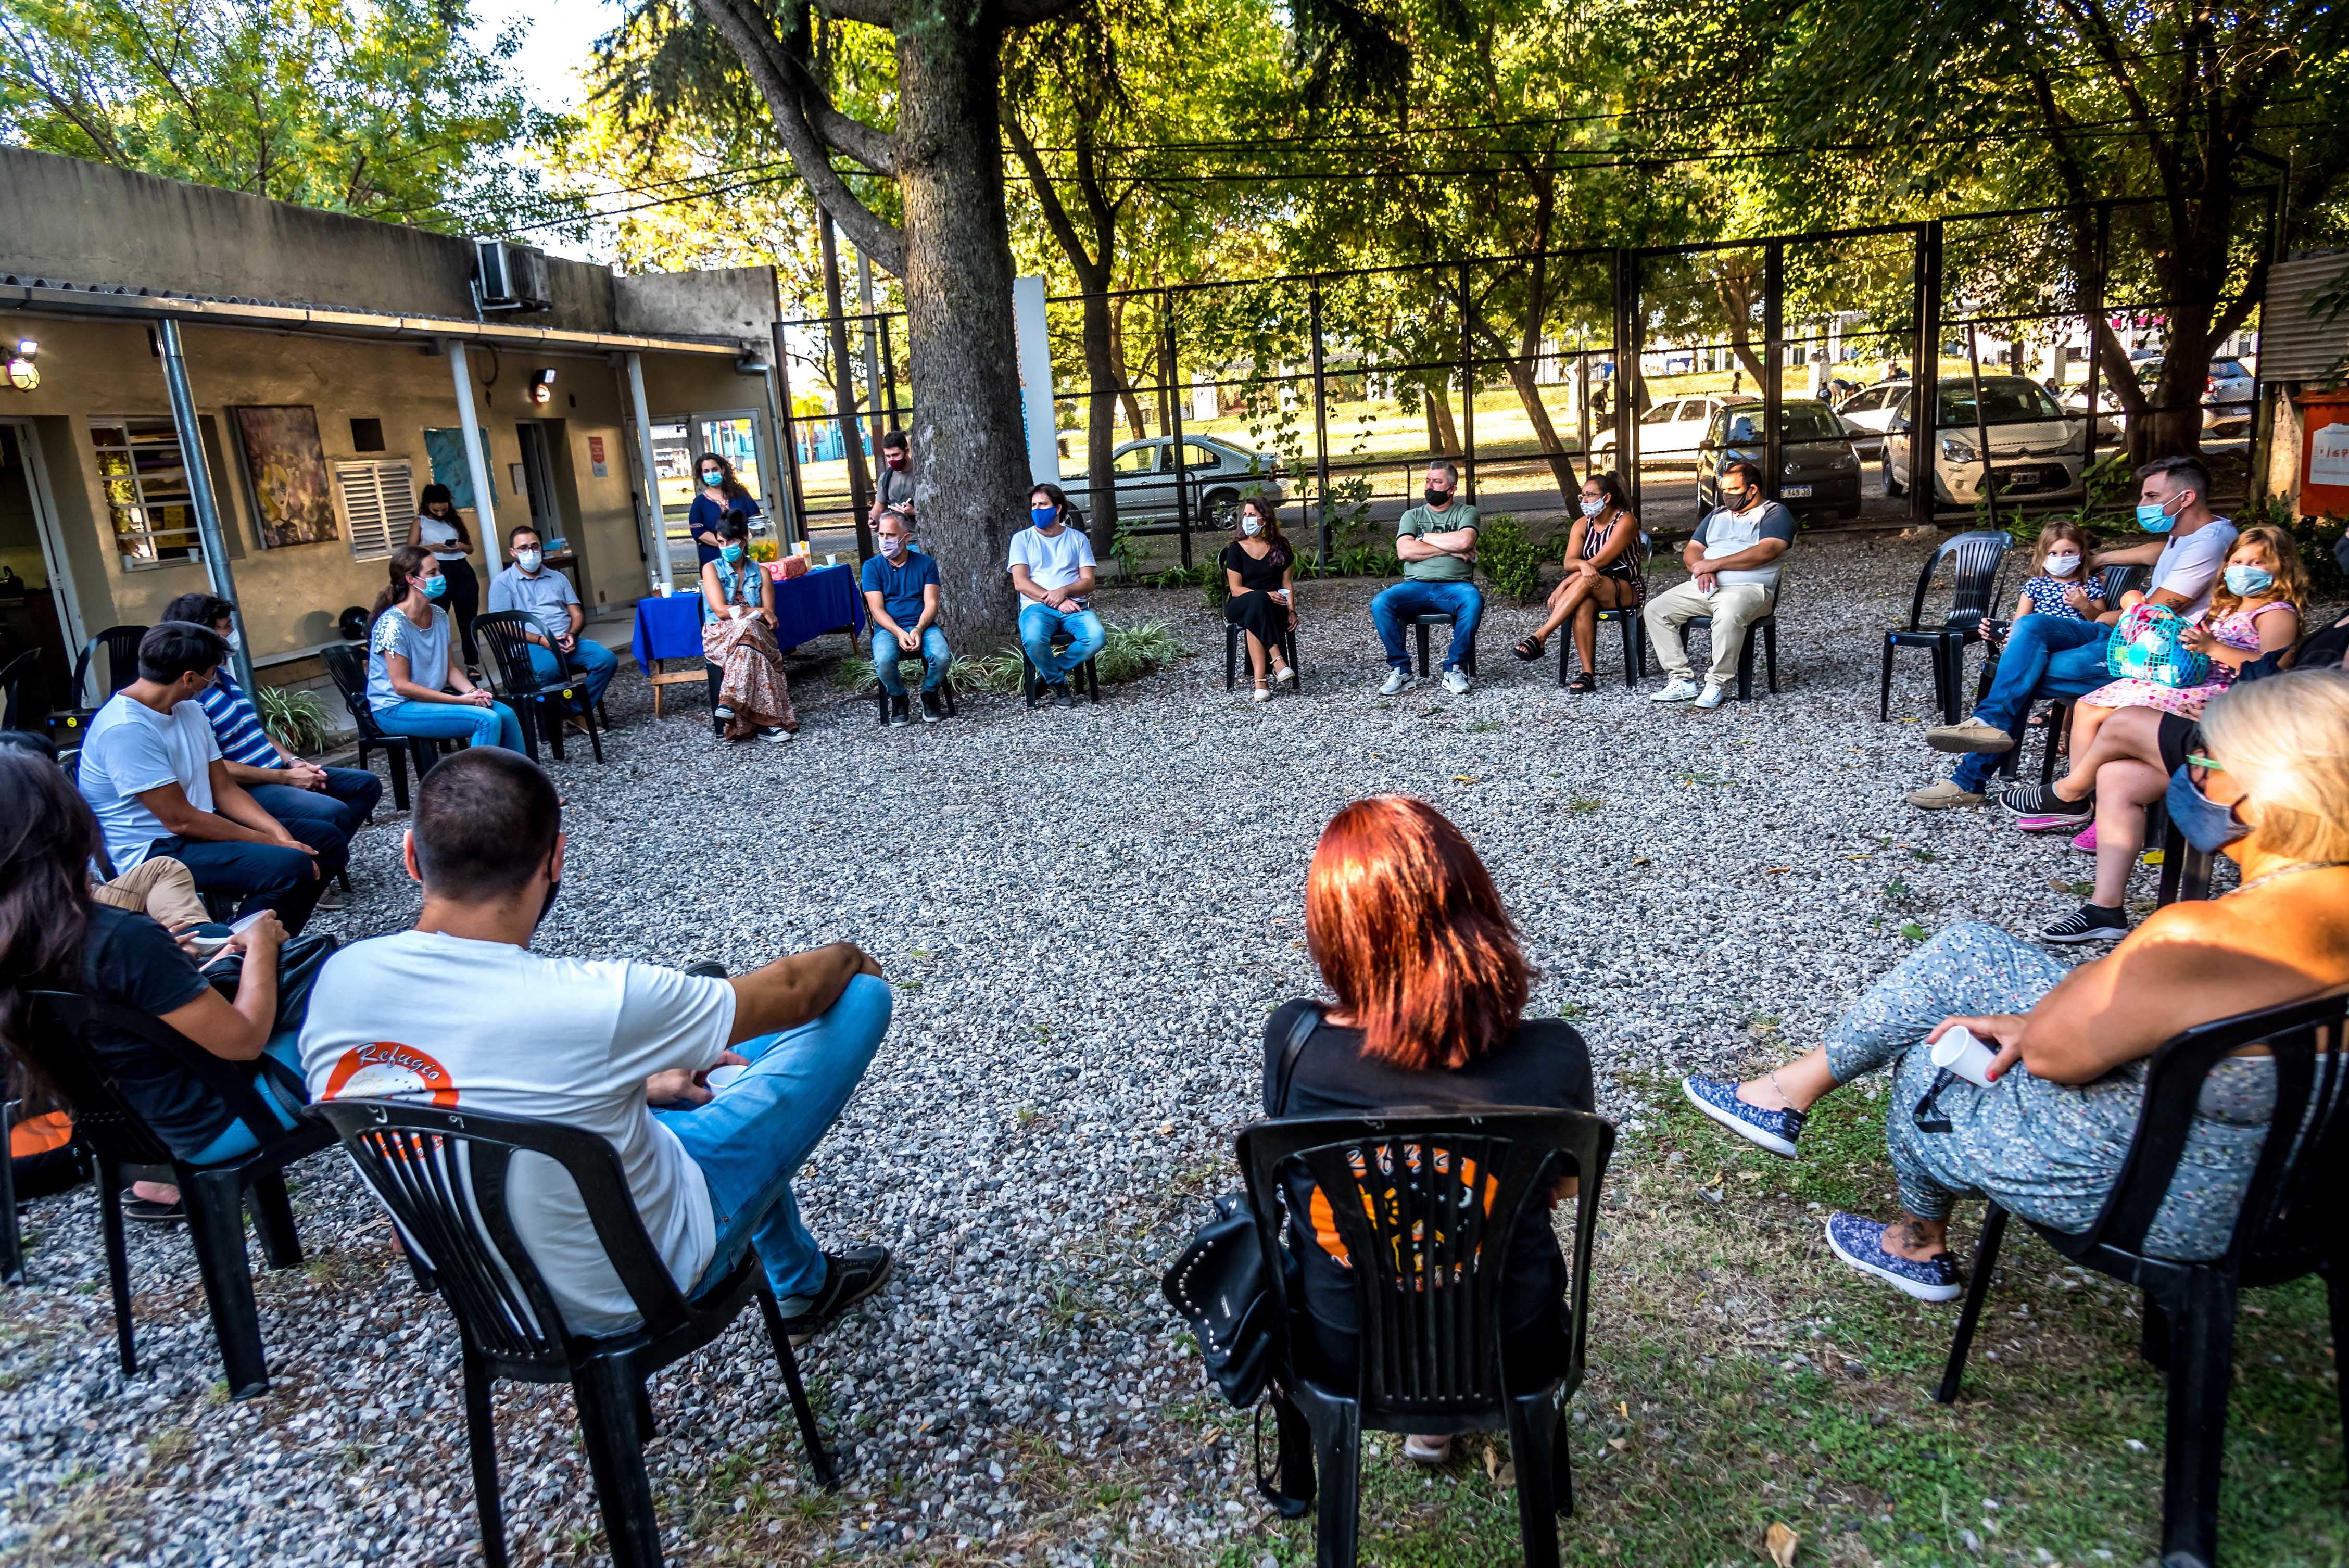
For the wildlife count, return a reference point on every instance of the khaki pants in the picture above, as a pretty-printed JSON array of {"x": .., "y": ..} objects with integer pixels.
[
  {"x": 161, "y": 888},
  {"x": 1733, "y": 606}
]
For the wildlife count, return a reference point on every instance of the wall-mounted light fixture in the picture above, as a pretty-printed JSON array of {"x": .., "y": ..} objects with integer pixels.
[
  {"x": 23, "y": 374},
  {"x": 541, "y": 387}
]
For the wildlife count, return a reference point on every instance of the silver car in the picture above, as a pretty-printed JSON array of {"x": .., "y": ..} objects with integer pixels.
[
  {"x": 2225, "y": 398},
  {"x": 1216, "y": 473},
  {"x": 2037, "y": 448},
  {"x": 1870, "y": 409},
  {"x": 1673, "y": 431}
]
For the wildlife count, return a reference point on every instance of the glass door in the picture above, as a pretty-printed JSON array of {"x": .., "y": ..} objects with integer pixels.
[{"x": 737, "y": 434}]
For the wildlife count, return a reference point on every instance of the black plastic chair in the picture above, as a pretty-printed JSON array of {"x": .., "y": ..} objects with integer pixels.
[
  {"x": 20, "y": 673},
  {"x": 214, "y": 1195},
  {"x": 1031, "y": 679},
  {"x": 1977, "y": 561},
  {"x": 1635, "y": 646},
  {"x": 1419, "y": 623},
  {"x": 1428, "y": 1288},
  {"x": 443, "y": 1176},
  {"x": 539, "y": 703},
  {"x": 346, "y": 667},
  {"x": 945, "y": 691},
  {"x": 2288, "y": 1227},
  {"x": 1765, "y": 626},
  {"x": 1232, "y": 633},
  {"x": 2185, "y": 870},
  {"x": 12, "y": 1240},
  {"x": 122, "y": 647}
]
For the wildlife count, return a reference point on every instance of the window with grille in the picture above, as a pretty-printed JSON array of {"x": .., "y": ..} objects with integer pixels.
[
  {"x": 379, "y": 499},
  {"x": 147, "y": 496}
]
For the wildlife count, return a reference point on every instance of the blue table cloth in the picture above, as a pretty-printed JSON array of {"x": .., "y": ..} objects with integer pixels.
[{"x": 827, "y": 600}]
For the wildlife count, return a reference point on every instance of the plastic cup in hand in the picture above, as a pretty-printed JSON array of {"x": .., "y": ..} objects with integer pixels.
[
  {"x": 1963, "y": 1054},
  {"x": 718, "y": 1079}
]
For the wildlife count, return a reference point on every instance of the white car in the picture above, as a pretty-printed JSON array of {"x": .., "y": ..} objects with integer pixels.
[
  {"x": 2037, "y": 448},
  {"x": 1673, "y": 431},
  {"x": 1217, "y": 474},
  {"x": 1870, "y": 409}
]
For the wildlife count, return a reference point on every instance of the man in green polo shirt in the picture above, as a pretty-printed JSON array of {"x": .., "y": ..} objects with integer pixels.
[{"x": 1437, "y": 542}]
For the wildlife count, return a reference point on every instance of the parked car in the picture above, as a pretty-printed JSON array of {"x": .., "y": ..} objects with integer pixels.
[
  {"x": 2037, "y": 448},
  {"x": 1870, "y": 408},
  {"x": 1217, "y": 474},
  {"x": 1817, "y": 468},
  {"x": 1671, "y": 431},
  {"x": 2225, "y": 398}
]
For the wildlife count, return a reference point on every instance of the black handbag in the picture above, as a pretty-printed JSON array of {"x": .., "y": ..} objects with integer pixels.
[
  {"x": 299, "y": 959},
  {"x": 1217, "y": 1285}
]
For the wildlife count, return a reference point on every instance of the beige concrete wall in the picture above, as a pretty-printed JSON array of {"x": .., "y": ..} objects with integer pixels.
[
  {"x": 717, "y": 302},
  {"x": 292, "y": 595}
]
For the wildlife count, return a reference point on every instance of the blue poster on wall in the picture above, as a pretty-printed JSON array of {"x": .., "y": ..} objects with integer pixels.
[{"x": 445, "y": 447}]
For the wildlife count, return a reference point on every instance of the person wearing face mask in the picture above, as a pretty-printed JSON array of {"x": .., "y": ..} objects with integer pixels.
[
  {"x": 737, "y": 638},
  {"x": 440, "y": 528},
  {"x": 893, "y": 491},
  {"x": 295, "y": 791},
  {"x": 415, "y": 686},
  {"x": 1052, "y": 572},
  {"x": 1257, "y": 567},
  {"x": 720, "y": 493},
  {"x": 1733, "y": 571},
  {"x": 1602, "y": 572},
  {"x": 2061, "y": 587},
  {"x": 2047, "y": 655},
  {"x": 546, "y": 596},
  {"x": 1436, "y": 542},
  {"x": 2267, "y": 787},
  {"x": 901, "y": 595},
  {"x": 460, "y": 1011}
]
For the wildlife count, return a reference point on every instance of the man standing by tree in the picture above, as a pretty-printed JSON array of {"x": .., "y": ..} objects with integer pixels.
[
  {"x": 1437, "y": 543},
  {"x": 896, "y": 490}
]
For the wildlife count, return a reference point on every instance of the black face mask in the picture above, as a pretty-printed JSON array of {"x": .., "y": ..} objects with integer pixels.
[
  {"x": 1737, "y": 500},
  {"x": 1436, "y": 496},
  {"x": 553, "y": 886}
]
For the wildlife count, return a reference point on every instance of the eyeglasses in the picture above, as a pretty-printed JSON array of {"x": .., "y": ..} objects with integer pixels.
[{"x": 2198, "y": 766}]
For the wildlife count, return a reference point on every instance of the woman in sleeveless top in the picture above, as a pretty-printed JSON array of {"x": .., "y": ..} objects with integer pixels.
[
  {"x": 1604, "y": 571},
  {"x": 737, "y": 635}
]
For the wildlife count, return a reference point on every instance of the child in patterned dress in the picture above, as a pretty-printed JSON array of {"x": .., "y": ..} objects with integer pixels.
[{"x": 2062, "y": 586}]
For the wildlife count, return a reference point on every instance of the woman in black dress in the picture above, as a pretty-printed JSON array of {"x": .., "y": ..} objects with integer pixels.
[{"x": 1256, "y": 565}]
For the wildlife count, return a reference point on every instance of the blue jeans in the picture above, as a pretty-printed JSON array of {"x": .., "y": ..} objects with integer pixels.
[
  {"x": 2046, "y": 656},
  {"x": 1392, "y": 611},
  {"x": 493, "y": 726},
  {"x": 348, "y": 798},
  {"x": 1039, "y": 622},
  {"x": 591, "y": 658},
  {"x": 263, "y": 876},
  {"x": 935, "y": 656},
  {"x": 753, "y": 1137}
]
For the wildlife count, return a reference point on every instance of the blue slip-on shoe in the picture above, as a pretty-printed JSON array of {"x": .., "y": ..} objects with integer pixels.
[
  {"x": 1860, "y": 1243},
  {"x": 1774, "y": 1131}
]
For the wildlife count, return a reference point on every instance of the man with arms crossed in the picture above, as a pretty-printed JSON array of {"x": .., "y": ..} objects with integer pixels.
[
  {"x": 1437, "y": 544},
  {"x": 461, "y": 1011}
]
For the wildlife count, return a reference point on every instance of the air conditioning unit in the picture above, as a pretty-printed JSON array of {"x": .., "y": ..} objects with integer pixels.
[{"x": 510, "y": 277}]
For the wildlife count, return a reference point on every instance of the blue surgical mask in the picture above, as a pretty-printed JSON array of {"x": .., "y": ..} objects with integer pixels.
[
  {"x": 2208, "y": 826},
  {"x": 733, "y": 553},
  {"x": 2247, "y": 580},
  {"x": 435, "y": 586},
  {"x": 2152, "y": 517},
  {"x": 1593, "y": 508},
  {"x": 710, "y": 476},
  {"x": 528, "y": 560},
  {"x": 1044, "y": 516}
]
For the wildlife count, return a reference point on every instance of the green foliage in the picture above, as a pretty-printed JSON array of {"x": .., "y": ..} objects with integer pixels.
[
  {"x": 296, "y": 719},
  {"x": 1508, "y": 557},
  {"x": 1128, "y": 654},
  {"x": 856, "y": 673},
  {"x": 385, "y": 109}
]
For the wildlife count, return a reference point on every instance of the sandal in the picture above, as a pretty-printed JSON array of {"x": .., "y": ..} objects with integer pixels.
[
  {"x": 1529, "y": 650},
  {"x": 1262, "y": 693},
  {"x": 1585, "y": 682}
]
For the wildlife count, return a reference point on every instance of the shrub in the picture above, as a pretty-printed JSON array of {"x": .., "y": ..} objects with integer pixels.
[
  {"x": 1128, "y": 654},
  {"x": 1511, "y": 560},
  {"x": 296, "y": 719}
]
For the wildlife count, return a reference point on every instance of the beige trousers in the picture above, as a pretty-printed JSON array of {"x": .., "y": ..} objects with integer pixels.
[
  {"x": 1733, "y": 606},
  {"x": 161, "y": 888}
]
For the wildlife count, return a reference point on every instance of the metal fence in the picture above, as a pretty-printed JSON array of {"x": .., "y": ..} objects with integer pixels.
[{"x": 1800, "y": 353}]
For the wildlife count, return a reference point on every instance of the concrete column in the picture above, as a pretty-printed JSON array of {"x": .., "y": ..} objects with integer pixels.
[
  {"x": 485, "y": 495},
  {"x": 660, "y": 568},
  {"x": 200, "y": 485}
]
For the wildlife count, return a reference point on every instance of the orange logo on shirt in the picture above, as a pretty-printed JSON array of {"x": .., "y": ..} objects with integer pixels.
[{"x": 386, "y": 1070}]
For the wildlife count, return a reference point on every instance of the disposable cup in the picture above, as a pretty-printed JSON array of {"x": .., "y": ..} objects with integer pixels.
[{"x": 1965, "y": 1056}]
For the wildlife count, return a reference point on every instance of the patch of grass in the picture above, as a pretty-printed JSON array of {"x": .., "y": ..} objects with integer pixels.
[
  {"x": 1485, "y": 727},
  {"x": 1584, "y": 805}
]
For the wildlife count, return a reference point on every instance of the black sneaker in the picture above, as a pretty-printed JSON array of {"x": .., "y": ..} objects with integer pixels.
[
  {"x": 2039, "y": 807},
  {"x": 1061, "y": 696},
  {"x": 932, "y": 709},
  {"x": 848, "y": 1278},
  {"x": 149, "y": 1212},
  {"x": 2089, "y": 923},
  {"x": 898, "y": 718}
]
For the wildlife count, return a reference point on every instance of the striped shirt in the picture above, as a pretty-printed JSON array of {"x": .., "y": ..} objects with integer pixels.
[{"x": 236, "y": 725}]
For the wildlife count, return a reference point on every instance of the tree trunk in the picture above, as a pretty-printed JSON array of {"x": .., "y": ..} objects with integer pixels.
[
  {"x": 1119, "y": 379},
  {"x": 1442, "y": 435},
  {"x": 1561, "y": 462},
  {"x": 974, "y": 477},
  {"x": 1101, "y": 422},
  {"x": 843, "y": 385},
  {"x": 1736, "y": 294}
]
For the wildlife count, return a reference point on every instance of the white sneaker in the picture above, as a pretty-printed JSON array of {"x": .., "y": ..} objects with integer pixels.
[
  {"x": 1678, "y": 691},
  {"x": 776, "y": 735},
  {"x": 1456, "y": 681},
  {"x": 721, "y": 712},
  {"x": 1396, "y": 681},
  {"x": 1711, "y": 695}
]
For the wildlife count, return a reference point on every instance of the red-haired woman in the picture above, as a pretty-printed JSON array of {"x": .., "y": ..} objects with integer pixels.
[{"x": 1410, "y": 935}]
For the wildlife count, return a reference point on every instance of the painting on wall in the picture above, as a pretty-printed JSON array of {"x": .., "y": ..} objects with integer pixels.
[{"x": 286, "y": 463}]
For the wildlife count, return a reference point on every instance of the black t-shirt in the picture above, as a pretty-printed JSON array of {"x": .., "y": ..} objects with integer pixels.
[
  {"x": 132, "y": 962},
  {"x": 1256, "y": 576},
  {"x": 1543, "y": 1066}
]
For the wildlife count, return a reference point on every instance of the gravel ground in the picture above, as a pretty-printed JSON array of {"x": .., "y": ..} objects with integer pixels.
[{"x": 1087, "y": 915}]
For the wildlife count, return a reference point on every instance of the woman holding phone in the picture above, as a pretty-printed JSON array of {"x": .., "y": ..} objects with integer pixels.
[{"x": 440, "y": 528}]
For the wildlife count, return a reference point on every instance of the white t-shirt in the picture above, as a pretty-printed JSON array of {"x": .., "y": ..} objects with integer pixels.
[
  {"x": 130, "y": 747},
  {"x": 439, "y": 536},
  {"x": 496, "y": 1027},
  {"x": 1053, "y": 562},
  {"x": 2190, "y": 566}
]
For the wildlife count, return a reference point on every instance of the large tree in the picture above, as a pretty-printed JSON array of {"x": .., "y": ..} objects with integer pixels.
[{"x": 384, "y": 108}]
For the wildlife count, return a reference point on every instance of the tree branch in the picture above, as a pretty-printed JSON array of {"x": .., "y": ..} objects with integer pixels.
[
  {"x": 873, "y": 13},
  {"x": 1056, "y": 216},
  {"x": 1028, "y": 12}
]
